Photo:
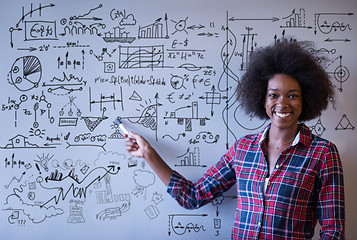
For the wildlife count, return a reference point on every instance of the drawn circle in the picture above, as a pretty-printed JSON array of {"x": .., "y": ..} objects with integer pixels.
[
  {"x": 181, "y": 25},
  {"x": 39, "y": 179},
  {"x": 36, "y": 124},
  {"x": 63, "y": 21},
  {"x": 26, "y": 73},
  {"x": 31, "y": 196},
  {"x": 61, "y": 113},
  {"x": 49, "y": 105},
  {"x": 176, "y": 82},
  {"x": 67, "y": 163},
  {"x": 16, "y": 69},
  {"x": 52, "y": 120},
  {"x": 23, "y": 98},
  {"x": 341, "y": 74},
  {"x": 18, "y": 80},
  {"x": 37, "y": 132}
]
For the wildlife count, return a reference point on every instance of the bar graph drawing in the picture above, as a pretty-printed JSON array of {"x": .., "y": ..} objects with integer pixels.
[
  {"x": 190, "y": 159},
  {"x": 154, "y": 30},
  {"x": 295, "y": 20},
  {"x": 188, "y": 120}
]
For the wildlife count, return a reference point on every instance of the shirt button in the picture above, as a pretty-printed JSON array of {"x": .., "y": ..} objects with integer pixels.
[
  {"x": 268, "y": 183},
  {"x": 259, "y": 223},
  {"x": 277, "y": 166}
]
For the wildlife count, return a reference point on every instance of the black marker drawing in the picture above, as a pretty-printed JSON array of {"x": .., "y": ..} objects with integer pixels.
[
  {"x": 64, "y": 86},
  {"x": 184, "y": 223},
  {"x": 76, "y": 27},
  {"x": 100, "y": 57},
  {"x": 340, "y": 73},
  {"x": 155, "y": 30},
  {"x": 135, "y": 96},
  {"x": 187, "y": 120},
  {"x": 141, "y": 57},
  {"x": 173, "y": 138},
  {"x": 29, "y": 14},
  {"x": 70, "y": 120},
  {"x": 190, "y": 159},
  {"x": 106, "y": 99},
  {"x": 344, "y": 124},
  {"x": 213, "y": 98},
  {"x": 93, "y": 122},
  {"x": 40, "y": 30},
  {"x": 85, "y": 15},
  {"x": 318, "y": 128},
  {"x": 327, "y": 23},
  {"x": 152, "y": 211},
  {"x": 67, "y": 62},
  {"x": 118, "y": 35},
  {"x": 35, "y": 213},
  {"x": 43, "y": 161},
  {"x": 157, "y": 198},
  {"x": 205, "y": 136},
  {"x": 180, "y": 26},
  {"x": 75, "y": 215},
  {"x": 25, "y": 73},
  {"x": 296, "y": 20},
  {"x": 143, "y": 180},
  {"x": 18, "y": 180},
  {"x": 19, "y": 141},
  {"x": 113, "y": 213},
  {"x": 77, "y": 188}
]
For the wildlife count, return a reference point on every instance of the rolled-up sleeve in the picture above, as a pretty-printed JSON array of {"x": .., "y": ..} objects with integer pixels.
[
  {"x": 331, "y": 201},
  {"x": 218, "y": 179}
]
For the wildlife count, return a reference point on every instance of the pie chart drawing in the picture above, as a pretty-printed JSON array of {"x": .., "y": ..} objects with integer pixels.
[{"x": 26, "y": 73}]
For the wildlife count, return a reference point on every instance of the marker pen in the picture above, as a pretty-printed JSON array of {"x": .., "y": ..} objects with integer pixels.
[{"x": 121, "y": 126}]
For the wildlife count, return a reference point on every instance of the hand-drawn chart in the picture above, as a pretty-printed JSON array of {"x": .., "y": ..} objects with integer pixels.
[{"x": 169, "y": 72}]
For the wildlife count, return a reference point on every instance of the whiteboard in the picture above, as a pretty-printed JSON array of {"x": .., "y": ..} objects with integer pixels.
[{"x": 169, "y": 71}]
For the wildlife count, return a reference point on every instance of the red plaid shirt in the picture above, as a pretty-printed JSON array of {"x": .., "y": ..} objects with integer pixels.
[{"x": 306, "y": 186}]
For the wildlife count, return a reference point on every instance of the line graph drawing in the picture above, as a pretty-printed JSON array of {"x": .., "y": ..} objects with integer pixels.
[{"x": 141, "y": 56}]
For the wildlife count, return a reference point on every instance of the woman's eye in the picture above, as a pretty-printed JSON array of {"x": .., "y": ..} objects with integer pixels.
[{"x": 272, "y": 95}]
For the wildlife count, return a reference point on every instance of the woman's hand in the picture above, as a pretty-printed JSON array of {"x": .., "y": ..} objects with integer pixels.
[{"x": 136, "y": 145}]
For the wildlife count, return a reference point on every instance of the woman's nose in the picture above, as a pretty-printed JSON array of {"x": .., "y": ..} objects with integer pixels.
[{"x": 282, "y": 102}]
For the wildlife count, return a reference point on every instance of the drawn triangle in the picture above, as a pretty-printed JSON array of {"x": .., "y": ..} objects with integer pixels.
[
  {"x": 91, "y": 125},
  {"x": 135, "y": 96},
  {"x": 117, "y": 135}
]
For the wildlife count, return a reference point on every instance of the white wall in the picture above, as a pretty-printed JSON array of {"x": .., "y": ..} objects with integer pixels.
[{"x": 60, "y": 177}]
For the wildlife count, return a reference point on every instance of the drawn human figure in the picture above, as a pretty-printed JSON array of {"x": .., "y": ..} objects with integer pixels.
[{"x": 287, "y": 178}]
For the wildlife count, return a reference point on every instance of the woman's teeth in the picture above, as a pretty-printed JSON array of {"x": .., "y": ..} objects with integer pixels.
[{"x": 282, "y": 115}]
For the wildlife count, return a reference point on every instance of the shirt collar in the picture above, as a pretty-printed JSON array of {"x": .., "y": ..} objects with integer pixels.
[{"x": 303, "y": 136}]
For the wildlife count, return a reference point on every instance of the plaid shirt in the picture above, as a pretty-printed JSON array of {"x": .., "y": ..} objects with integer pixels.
[{"x": 306, "y": 186}]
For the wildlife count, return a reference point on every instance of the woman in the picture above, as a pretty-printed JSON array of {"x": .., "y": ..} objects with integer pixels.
[{"x": 287, "y": 178}]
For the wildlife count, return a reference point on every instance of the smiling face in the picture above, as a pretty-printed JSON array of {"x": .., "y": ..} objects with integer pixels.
[{"x": 283, "y": 101}]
